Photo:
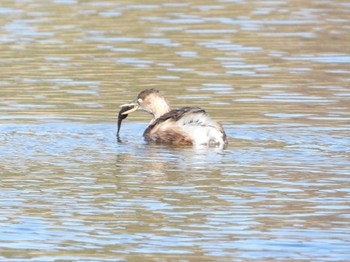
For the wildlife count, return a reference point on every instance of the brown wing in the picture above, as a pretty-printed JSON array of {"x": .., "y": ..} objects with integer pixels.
[{"x": 165, "y": 129}]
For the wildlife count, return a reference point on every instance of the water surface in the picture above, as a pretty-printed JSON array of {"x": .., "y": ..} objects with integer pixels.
[{"x": 275, "y": 73}]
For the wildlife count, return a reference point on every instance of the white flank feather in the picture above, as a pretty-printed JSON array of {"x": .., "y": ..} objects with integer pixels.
[{"x": 203, "y": 130}]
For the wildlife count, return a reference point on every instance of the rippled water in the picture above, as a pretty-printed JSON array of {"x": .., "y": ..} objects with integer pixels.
[{"x": 276, "y": 73}]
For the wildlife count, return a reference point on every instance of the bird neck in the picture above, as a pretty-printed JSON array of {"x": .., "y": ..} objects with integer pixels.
[{"x": 159, "y": 108}]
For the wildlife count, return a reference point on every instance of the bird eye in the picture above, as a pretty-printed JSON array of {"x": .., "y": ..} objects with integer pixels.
[{"x": 139, "y": 100}]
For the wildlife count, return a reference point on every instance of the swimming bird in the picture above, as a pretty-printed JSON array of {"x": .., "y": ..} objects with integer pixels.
[{"x": 182, "y": 126}]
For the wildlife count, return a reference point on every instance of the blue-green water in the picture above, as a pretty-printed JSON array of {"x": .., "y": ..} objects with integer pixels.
[
  {"x": 275, "y": 73},
  {"x": 71, "y": 191}
]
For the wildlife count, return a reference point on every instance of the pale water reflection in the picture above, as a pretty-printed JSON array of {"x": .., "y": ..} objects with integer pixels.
[
  {"x": 276, "y": 73},
  {"x": 70, "y": 190}
]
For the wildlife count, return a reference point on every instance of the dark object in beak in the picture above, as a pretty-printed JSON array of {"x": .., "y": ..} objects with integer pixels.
[{"x": 122, "y": 116}]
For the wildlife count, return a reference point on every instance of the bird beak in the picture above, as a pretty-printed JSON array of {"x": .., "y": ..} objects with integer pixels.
[{"x": 134, "y": 106}]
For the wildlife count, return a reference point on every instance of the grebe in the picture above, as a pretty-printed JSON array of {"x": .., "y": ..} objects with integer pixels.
[{"x": 182, "y": 126}]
